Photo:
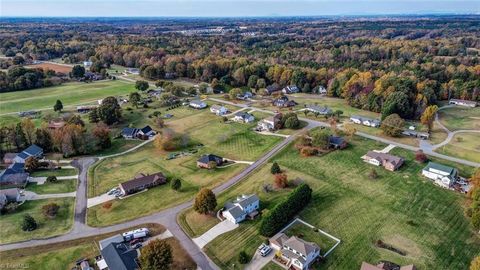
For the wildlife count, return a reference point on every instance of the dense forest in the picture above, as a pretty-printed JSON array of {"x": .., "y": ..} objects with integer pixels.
[{"x": 399, "y": 65}]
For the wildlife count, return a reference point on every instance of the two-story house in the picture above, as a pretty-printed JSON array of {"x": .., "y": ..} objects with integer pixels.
[
  {"x": 298, "y": 253},
  {"x": 238, "y": 210},
  {"x": 442, "y": 175}
]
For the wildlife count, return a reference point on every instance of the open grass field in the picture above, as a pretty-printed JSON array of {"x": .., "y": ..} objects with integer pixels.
[
  {"x": 400, "y": 208},
  {"x": 69, "y": 93},
  {"x": 62, "y": 186},
  {"x": 10, "y": 224},
  {"x": 52, "y": 66},
  {"x": 463, "y": 145},
  {"x": 456, "y": 118},
  {"x": 61, "y": 256}
]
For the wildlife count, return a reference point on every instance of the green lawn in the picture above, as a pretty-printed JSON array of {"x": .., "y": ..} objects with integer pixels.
[
  {"x": 69, "y": 94},
  {"x": 463, "y": 145},
  {"x": 62, "y": 186},
  {"x": 400, "y": 208},
  {"x": 272, "y": 266},
  {"x": 456, "y": 118},
  {"x": 61, "y": 172},
  {"x": 10, "y": 224},
  {"x": 308, "y": 234}
]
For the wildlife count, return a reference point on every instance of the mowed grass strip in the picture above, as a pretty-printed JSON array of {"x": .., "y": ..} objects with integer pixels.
[
  {"x": 69, "y": 94},
  {"x": 10, "y": 224},
  {"x": 400, "y": 208},
  {"x": 456, "y": 118},
  {"x": 61, "y": 186}
]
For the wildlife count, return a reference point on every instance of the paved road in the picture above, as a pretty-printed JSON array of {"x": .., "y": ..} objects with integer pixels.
[
  {"x": 82, "y": 165},
  {"x": 167, "y": 217}
]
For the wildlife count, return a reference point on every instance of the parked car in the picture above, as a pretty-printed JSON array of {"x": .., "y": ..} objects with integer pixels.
[
  {"x": 262, "y": 246},
  {"x": 112, "y": 191},
  {"x": 265, "y": 251}
]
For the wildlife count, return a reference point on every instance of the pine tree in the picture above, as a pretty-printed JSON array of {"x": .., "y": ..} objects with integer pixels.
[
  {"x": 29, "y": 223},
  {"x": 58, "y": 107},
  {"x": 275, "y": 168}
]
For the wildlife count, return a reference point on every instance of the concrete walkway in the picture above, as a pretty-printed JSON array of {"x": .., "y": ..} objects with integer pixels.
[
  {"x": 31, "y": 196},
  {"x": 272, "y": 134},
  {"x": 220, "y": 228},
  {"x": 386, "y": 149},
  {"x": 99, "y": 200}
]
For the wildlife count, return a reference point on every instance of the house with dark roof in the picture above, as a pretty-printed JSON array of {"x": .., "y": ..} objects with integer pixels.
[
  {"x": 270, "y": 123},
  {"x": 117, "y": 238},
  {"x": 283, "y": 102},
  {"x": 337, "y": 142},
  {"x": 273, "y": 88},
  {"x": 389, "y": 162},
  {"x": 298, "y": 253},
  {"x": 290, "y": 89},
  {"x": 14, "y": 176},
  {"x": 243, "y": 206},
  {"x": 141, "y": 182},
  {"x": 245, "y": 96},
  {"x": 118, "y": 256},
  {"x": 442, "y": 175},
  {"x": 138, "y": 133},
  {"x": 32, "y": 151},
  {"x": 244, "y": 117},
  {"x": 416, "y": 134},
  {"x": 206, "y": 160},
  {"x": 317, "y": 109}
]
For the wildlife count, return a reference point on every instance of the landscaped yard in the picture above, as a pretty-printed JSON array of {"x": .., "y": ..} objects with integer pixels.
[
  {"x": 463, "y": 145},
  {"x": 300, "y": 230},
  {"x": 61, "y": 186},
  {"x": 402, "y": 209},
  {"x": 10, "y": 224},
  {"x": 69, "y": 93},
  {"x": 456, "y": 118}
]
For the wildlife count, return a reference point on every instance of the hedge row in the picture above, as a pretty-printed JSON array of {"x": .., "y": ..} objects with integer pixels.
[{"x": 283, "y": 212}]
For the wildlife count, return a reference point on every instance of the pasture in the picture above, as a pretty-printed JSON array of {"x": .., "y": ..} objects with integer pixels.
[
  {"x": 463, "y": 145},
  {"x": 400, "y": 208},
  {"x": 456, "y": 118}
]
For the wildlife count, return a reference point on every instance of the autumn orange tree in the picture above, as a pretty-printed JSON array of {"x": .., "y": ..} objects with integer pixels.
[{"x": 428, "y": 116}]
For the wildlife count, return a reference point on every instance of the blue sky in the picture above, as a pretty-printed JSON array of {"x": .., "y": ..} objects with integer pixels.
[{"x": 230, "y": 8}]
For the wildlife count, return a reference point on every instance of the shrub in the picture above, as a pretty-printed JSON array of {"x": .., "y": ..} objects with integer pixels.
[
  {"x": 205, "y": 201},
  {"x": 281, "y": 180},
  {"x": 243, "y": 257},
  {"x": 281, "y": 214},
  {"x": 275, "y": 169},
  {"x": 50, "y": 210},
  {"x": 420, "y": 156},
  {"x": 308, "y": 151},
  {"x": 373, "y": 174},
  {"x": 176, "y": 184},
  {"x": 29, "y": 223},
  {"x": 52, "y": 179}
]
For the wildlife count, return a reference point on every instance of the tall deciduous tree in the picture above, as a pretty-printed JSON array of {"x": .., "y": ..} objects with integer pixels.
[
  {"x": 428, "y": 116},
  {"x": 156, "y": 255},
  {"x": 135, "y": 99},
  {"x": 393, "y": 125},
  {"x": 29, "y": 129},
  {"x": 109, "y": 112},
  {"x": 205, "y": 201},
  {"x": 141, "y": 85},
  {"x": 77, "y": 71}
]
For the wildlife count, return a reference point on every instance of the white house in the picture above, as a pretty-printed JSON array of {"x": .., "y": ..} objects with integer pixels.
[
  {"x": 291, "y": 89},
  {"x": 87, "y": 64},
  {"x": 244, "y": 117},
  {"x": 218, "y": 109},
  {"x": 442, "y": 175},
  {"x": 298, "y": 253},
  {"x": 269, "y": 123},
  {"x": 322, "y": 90},
  {"x": 365, "y": 121},
  {"x": 462, "y": 102},
  {"x": 197, "y": 104},
  {"x": 238, "y": 210}
]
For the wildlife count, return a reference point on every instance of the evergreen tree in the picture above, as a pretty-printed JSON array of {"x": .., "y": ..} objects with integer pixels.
[
  {"x": 176, "y": 184},
  {"x": 275, "y": 168},
  {"x": 58, "y": 107},
  {"x": 29, "y": 223}
]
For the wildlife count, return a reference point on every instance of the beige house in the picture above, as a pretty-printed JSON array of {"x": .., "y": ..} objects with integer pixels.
[
  {"x": 389, "y": 162},
  {"x": 298, "y": 253}
]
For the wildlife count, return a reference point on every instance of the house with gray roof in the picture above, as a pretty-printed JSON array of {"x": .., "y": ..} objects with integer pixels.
[
  {"x": 243, "y": 206},
  {"x": 317, "y": 109},
  {"x": 369, "y": 122},
  {"x": 298, "y": 253},
  {"x": 14, "y": 176},
  {"x": 442, "y": 175},
  {"x": 462, "y": 102},
  {"x": 118, "y": 256},
  {"x": 244, "y": 117},
  {"x": 197, "y": 104},
  {"x": 9, "y": 195}
]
